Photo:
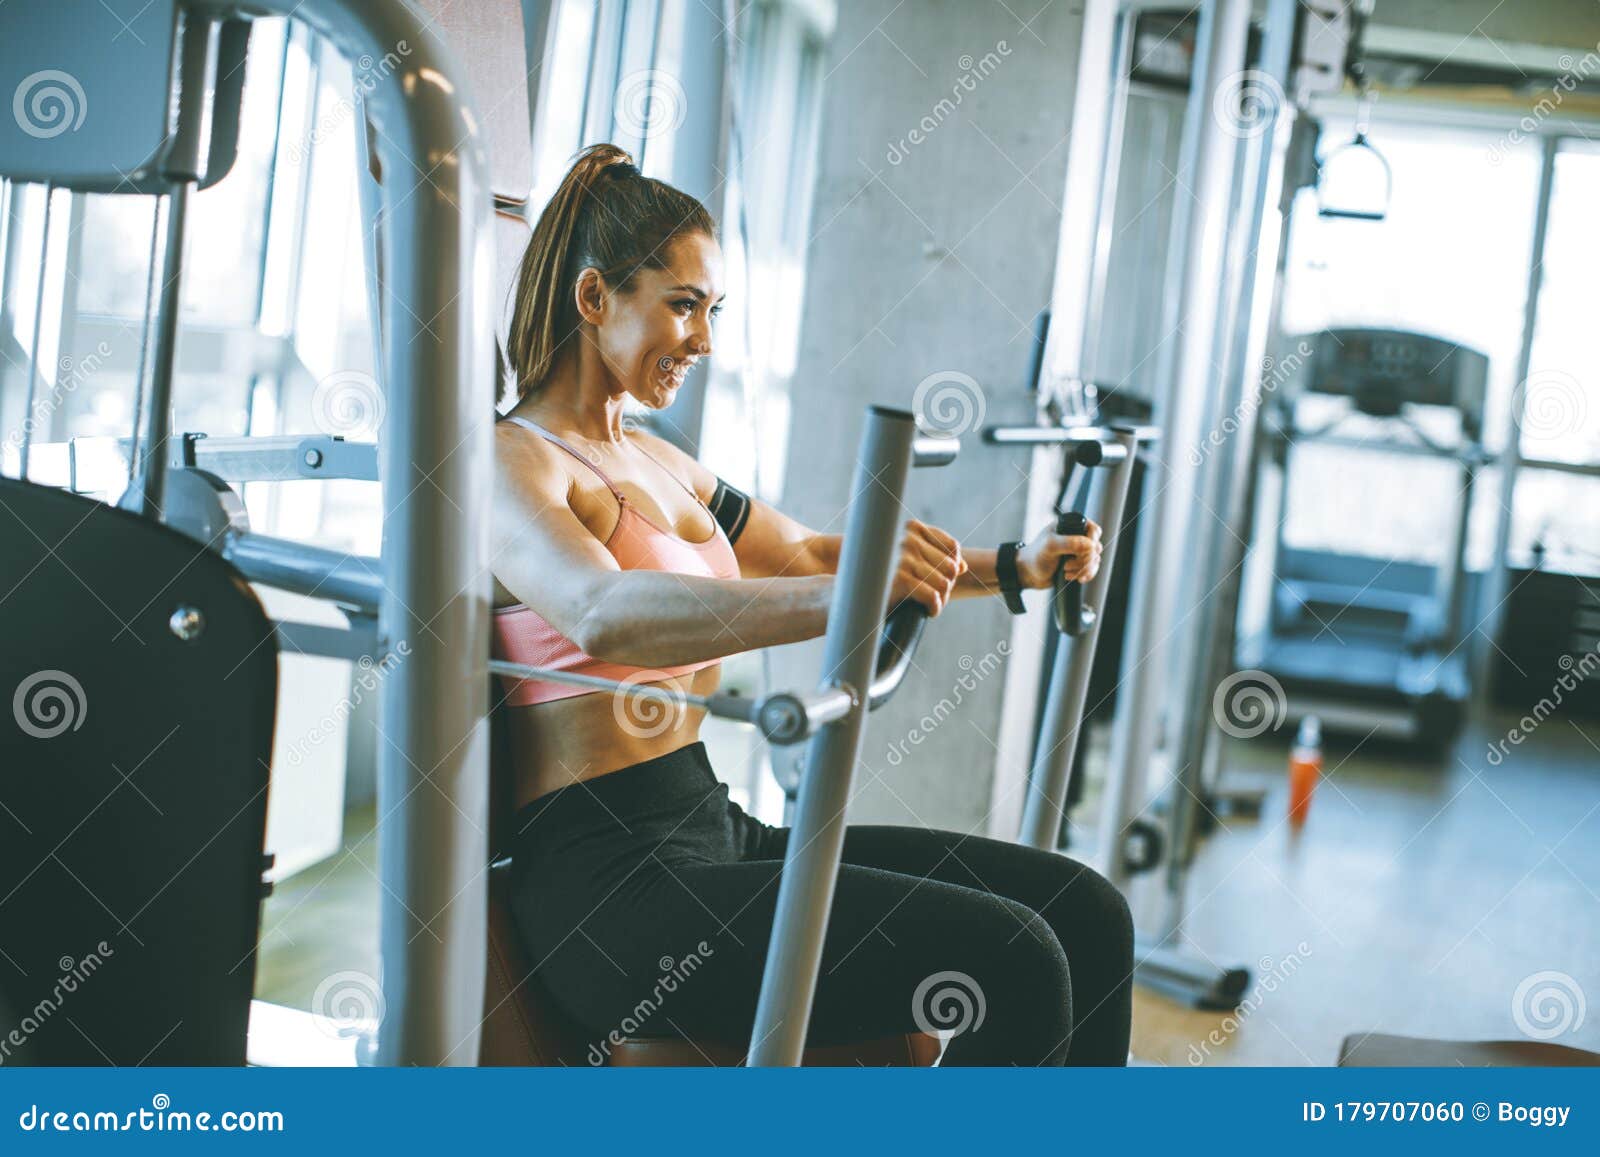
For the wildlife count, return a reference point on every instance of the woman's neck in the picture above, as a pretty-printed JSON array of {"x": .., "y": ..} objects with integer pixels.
[{"x": 577, "y": 402}]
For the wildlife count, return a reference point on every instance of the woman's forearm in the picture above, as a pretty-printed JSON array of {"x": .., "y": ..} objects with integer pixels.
[
  {"x": 645, "y": 618},
  {"x": 980, "y": 577}
]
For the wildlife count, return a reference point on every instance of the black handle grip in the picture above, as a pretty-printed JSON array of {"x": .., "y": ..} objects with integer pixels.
[
  {"x": 1067, "y": 596},
  {"x": 897, "y": 643}
]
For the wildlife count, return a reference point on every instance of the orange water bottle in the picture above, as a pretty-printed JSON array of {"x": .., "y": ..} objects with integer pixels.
[{"x": 1305, "y": 768}]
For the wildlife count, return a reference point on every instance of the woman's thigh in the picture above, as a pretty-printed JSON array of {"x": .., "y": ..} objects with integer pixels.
[{"x": 687, "y": 960}]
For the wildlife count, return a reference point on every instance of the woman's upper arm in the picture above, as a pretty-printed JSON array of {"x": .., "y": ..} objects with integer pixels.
[{"x": 540, "y": 550}]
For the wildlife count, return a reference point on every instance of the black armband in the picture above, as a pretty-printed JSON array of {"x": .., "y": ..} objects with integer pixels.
[{"x": 731, "y": 508}]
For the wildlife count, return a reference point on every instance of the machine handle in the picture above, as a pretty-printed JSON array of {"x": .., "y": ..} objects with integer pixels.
[
  {"x": 1067, "y": 596},
  {"x": 897, "y": 643}
]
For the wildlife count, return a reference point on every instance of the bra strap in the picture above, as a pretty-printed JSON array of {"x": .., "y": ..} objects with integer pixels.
[{"x": 559, "y": 441}]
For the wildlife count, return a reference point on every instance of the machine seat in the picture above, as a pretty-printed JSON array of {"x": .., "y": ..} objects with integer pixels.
[{"x": 523, "y": 1026}]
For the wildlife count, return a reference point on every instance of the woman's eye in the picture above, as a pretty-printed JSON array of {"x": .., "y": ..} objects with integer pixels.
[
  {"x": 716, "y": 311},
  {"x": 686, "y": 306}
]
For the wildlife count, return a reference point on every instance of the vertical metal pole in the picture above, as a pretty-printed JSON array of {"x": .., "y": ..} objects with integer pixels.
[
  {"x": 811, "y": 865},
  {"x": 33, "y": 348},
  {"x": 1220, "y": 557},
  {"x": 1498, "y": 579},
  {"x": 1219, "y": 56},
  {"x": 1069, "y": 677},
  {"x": 148, "y": 473},
  {"x": 436, "y": 452}
]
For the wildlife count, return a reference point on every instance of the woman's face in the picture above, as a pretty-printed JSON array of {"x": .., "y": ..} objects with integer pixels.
[{"x": 650, "y": 335}]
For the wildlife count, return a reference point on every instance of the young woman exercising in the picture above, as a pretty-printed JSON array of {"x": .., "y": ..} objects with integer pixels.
[{"x": 616, "y": 554}]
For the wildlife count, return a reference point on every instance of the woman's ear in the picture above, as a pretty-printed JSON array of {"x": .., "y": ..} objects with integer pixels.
[{"x": 590, "y": 296}]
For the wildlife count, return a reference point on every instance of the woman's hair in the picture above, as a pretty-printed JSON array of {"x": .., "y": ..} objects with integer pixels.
[{"x": 607, "y": 215}]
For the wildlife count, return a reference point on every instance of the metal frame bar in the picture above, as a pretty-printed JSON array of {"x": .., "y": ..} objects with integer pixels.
[
  {"x": 1498, "y": 579},
  {"x": 436, "y": 447},
  {"x": 816, "y": 839},
  {"x": 1192, "y": 277},
  {"x": 1057, "y": 748}
]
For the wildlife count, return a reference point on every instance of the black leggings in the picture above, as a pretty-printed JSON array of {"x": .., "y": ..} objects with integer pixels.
[{"x": 646, "y": 897}]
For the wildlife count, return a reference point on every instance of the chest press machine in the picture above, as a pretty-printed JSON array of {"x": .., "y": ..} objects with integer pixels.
[{"x": 143, "y": 667}]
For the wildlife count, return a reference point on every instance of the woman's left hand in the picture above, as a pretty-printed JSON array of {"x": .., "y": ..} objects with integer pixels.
[{"x": 1079, "y": 554}]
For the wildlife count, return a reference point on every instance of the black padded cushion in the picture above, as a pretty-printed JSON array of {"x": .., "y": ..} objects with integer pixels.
[{"x": 133, "y": 788}]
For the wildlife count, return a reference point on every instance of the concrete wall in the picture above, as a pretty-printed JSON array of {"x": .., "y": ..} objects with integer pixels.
[{"x": 932, "y": 252}]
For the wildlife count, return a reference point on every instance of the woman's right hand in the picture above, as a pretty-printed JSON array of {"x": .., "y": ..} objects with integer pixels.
[{"x": 930, "y": 563}]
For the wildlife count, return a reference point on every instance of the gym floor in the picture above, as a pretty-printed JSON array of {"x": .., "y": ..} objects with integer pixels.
[{"x": 1412, "y": 891}]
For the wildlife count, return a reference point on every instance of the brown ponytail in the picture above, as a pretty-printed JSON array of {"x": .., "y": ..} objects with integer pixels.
[{"x": 606, "y": 215}]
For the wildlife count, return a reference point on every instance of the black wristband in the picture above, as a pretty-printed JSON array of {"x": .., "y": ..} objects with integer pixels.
[{"x": 1005, "y": 569}]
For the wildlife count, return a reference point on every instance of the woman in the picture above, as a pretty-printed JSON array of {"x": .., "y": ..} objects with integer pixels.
[{"x": 643, "y": 893}]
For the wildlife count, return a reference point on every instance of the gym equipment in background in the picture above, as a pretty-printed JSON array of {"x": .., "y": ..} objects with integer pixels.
[{"x": 1358, "y": 639}]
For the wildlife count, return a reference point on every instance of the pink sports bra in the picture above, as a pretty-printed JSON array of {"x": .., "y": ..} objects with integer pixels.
[{"x": 522, "y": 635}]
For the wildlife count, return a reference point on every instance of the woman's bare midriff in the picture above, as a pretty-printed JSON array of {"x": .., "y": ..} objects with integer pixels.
[{"x": 560, "y": 743}]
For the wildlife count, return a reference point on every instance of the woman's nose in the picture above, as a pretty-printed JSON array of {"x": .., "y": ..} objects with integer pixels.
[{"x": 700, "y": 337}]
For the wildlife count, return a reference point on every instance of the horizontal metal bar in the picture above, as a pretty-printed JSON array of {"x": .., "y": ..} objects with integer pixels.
[
  {"x": 358, "y": 641},
  {"x": 934, "y": 450},
  {"x": 351, "y": 579},
  {"x": 286, "y": 458},
  {"x": 784, "y": 717},
  {"x": 1041, "y": 435},
  {"x": 1587, "y": 469},
  {"x": 1470, "y": 453}
]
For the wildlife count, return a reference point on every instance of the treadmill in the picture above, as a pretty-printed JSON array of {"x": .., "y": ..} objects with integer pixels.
[{"x": 1373, "y": 644}]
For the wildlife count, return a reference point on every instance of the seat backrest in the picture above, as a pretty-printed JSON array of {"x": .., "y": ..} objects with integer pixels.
[{"x": 141, "y": 673}]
